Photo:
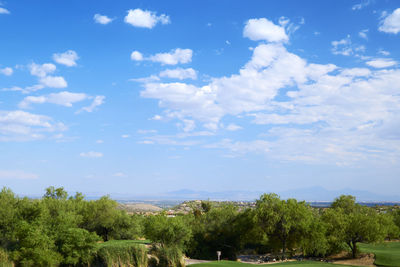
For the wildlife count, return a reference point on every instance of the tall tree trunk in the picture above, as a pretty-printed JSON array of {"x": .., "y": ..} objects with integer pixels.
[
  {"x": 284, "y": 249},
  {"x": 354, "y": 249}
]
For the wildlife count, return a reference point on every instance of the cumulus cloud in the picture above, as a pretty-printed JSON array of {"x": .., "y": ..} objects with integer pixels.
[
  {"x": 97, "y": 101},
  {"x": 67, "y": 58},
  {"x": 91, "y": 154},
  {"x": 7, "y": 71},
  {"x": 145, "y": 18},
  {"x": 179, "y": 73},
  {"x": 4, "y": 11},
  {"x": 324, "y": 101},
  {"x": 101, "y": 19},
  {"x": 263, "y": 29},
  {"x": 174, "y": 57},
  {"x": 381, "y": 63},
  {"x": 391, "y": 23},
  {"x": 19, "y": 125},
  {"x": 136, "y": 56},
  {"x": 17, "y": 175},
  {"x": 42, "y": 70},
  {"x": 53, "y": 82},
  {"x": 66, "y": 99}
]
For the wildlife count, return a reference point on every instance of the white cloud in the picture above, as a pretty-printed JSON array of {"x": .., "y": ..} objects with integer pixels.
[
  {"x": 7, "y": 71},
  {"x": 125, "y": 136},
  {"x": 19, "y": 125},
  {"x": 101, "y": 19},
  {"x": 233, "y": 127},
  {"x": 363, "y": 34},
  {"x": 383, "y": 52},
  {"x": 91, "y": 154},
  {"x": 99, "y": 141},
  {"x": 4, "y": 11},
  {"x": 173, "y": 57},
  {"x": 25, "y": 90},
  {"x": 179, "y": 73},
  {"x": 17, "y": 175},
  {"x": 361, "y": 5},
  {"x": 119, "y": 174},
  {"x": 381, "y": 63},
  {"x": 156, "y": 117},
  {"x": 145, "y": 18},
  {"x": 263, "y": 29},
  {"x": 137, "y": 56},
  {"x": 358, "y": 104},
  {"x": 257, "y": 146},
  {"x": 97, "y": 101},
  {"x": 41, "y": 70},
  {"x": 342, "y": 47},
  {"x": 53, "y": 82},
  {"x": 67, "y": 58},
  {"x": 65, "y": 98},
  {"x": 391, "y": 24}
]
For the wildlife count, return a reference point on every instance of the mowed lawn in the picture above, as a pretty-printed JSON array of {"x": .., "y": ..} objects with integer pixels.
[
  {"x": 285, "y": 264},
  {"x": 386, "y": 254}
]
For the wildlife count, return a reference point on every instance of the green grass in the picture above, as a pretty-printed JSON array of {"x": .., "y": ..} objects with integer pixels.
[
  {"x": 286, "y": 264},
  {"x": 386, "y": 254},
  {"x": 121, "y": 253},
  {"x": 123, "y": 243}
]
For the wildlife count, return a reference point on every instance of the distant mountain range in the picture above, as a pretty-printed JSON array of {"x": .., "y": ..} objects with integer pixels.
[{"x": 310, "y": 194}]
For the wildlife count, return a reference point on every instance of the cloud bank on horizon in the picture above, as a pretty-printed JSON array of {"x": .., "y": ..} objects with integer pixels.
[{"x": 253, "y": 88}]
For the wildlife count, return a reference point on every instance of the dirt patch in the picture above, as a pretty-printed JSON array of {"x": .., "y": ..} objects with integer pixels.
[{"x": 365, "y": 259}]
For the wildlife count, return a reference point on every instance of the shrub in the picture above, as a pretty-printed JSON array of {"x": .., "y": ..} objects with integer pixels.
[{"x": 121, "y": 254}]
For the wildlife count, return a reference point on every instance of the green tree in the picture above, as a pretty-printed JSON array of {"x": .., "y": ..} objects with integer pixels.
[
  {"x": 77, "y": 246},
  {"x": 222, "y": 229},
  {"x": 167, "y": 231},
  {"x": 8, "y": 217},
  {"x": 351, "y": 223},
  {"x": 284, "y": 221}
]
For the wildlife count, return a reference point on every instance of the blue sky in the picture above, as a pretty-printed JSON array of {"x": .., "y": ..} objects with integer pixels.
[{"x": 146, "y": 97}]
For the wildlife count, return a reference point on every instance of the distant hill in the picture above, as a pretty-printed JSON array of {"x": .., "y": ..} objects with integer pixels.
[{"x": 138, "y": 207}]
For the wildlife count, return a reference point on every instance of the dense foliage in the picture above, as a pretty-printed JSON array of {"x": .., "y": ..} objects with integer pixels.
[{"x": 58, "y": 230}]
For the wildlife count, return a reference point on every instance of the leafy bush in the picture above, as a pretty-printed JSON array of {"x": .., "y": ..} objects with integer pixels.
[{"x": 168, "y": 256}]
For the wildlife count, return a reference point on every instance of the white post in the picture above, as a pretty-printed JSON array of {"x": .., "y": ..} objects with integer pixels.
[{"x": 219, "y": 255}]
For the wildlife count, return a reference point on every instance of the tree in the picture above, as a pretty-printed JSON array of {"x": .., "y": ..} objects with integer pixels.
[
  {"x": 351, "y": 223},
  {"x": 101, "y": 216},
  {"x": 77, "y": 246},
  {"x": 55, "y": 193},
  {"x": 284, "y": 222},
  {"x": 220, "y": 229},
  {"x": 167, "y": 231}
]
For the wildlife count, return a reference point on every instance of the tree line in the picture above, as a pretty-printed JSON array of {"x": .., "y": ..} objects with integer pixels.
[{"x": 62, "y": 230}]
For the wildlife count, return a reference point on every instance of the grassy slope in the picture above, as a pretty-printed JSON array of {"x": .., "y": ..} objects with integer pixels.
[
  {"x": 285, "y": 264},
  {"x": 386, "y": 254}
]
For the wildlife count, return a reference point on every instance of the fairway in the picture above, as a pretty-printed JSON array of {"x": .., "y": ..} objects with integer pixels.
[
  {"x": 386, "y": 254},
  {"x": 286, "y": 264}
]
